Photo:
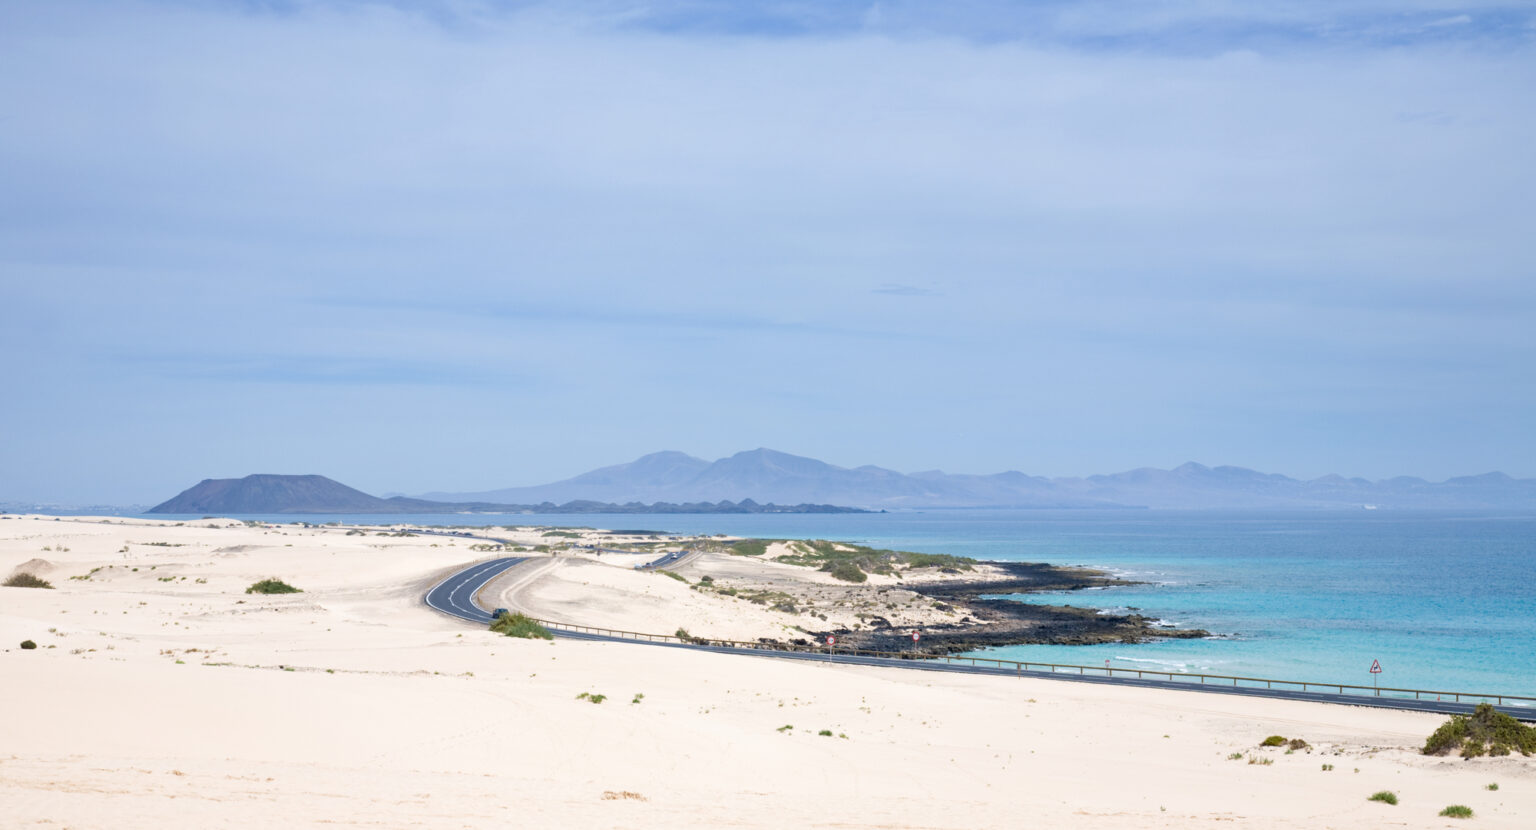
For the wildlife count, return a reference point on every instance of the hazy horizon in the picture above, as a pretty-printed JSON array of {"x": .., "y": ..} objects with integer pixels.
[{"x": 461, "y": 246}]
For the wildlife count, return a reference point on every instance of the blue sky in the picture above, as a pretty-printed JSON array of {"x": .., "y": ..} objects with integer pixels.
[{"x": 467, "y": 245}]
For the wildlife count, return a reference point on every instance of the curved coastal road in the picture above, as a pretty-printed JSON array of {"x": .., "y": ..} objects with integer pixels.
[{"x": 455, "y": 596}]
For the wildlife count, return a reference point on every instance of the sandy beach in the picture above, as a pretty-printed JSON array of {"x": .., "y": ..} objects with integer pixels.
[{"x": 162, "y": 695}]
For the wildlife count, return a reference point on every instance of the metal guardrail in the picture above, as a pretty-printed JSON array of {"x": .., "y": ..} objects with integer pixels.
[{"x": 1020, "y": 667}]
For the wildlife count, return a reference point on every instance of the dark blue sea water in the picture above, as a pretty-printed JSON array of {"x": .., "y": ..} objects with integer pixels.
[{"x": 1442, "y": 600}]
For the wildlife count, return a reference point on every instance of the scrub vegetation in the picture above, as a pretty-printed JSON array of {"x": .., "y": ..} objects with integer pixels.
[
  {"x": 1486, "y": 731},
  {"x": 26, "y": 580},
  {"x": 852, "y": 563},
  {"x": 520, "y": 625},
  {"x": 272, "y": 586}
]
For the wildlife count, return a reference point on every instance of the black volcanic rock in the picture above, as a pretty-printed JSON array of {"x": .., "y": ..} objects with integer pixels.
[{"x": 272, "y": 494}]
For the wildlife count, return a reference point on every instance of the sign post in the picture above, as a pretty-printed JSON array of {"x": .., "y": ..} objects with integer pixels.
[
  {"x": 831, "y": 641},
  {"x": 1375, "y": 676}
]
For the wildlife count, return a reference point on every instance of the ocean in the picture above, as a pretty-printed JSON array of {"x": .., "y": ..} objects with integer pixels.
[{"x": 1442, "y": 600}]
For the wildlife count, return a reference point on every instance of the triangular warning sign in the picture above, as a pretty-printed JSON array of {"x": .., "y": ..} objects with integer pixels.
[{"x": 1375, "y": 667}]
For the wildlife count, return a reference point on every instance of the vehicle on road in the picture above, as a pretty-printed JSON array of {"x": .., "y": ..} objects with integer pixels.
[{"x": 499, "y": 613}]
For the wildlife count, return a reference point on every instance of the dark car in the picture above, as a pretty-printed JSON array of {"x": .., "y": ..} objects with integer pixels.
[{"x": 499, "y": 613}]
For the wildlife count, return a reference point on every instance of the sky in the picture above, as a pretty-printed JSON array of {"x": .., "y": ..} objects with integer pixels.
[{"x": 458, "y": 246}]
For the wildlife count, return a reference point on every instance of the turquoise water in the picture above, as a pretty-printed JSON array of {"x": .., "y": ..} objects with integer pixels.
[{"x": 1442, "y": 600}]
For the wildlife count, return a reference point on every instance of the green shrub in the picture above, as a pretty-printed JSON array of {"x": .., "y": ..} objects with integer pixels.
[
  {"x": 750, "y": 547},
  {"x": 1236, "y": 756},
  {"x": 1457, "y": 811},
  {"x": 272, "y": 586},
  {"x": 825, "y": 733},
  {"x": 847, "y": 571},
  {"x": 1494, "y": 787},
  {"x": 26, "y": 580},
  {"x": 520, "y": 625},
  {"x": 1485, "y": 731},
  {"x": 677, "y": 576},
  {"x": 28, "y": 645},
  {"x": 1385, "y": 797},
  {"x": 1327, "y": 767},
  {"x": 589, "y": 696},
  {"x": 1272, "y": 740}
]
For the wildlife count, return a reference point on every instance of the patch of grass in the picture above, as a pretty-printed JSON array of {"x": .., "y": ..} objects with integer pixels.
[
  {"x": 590, "y": 696},
  {"x": 622, "y": 795},
  {"x": 1236, "y": 756},
  {"x": 638, "y": 697},
  {"x": 1385, "y": 797},
  {"x": 272, "y": 586},
  {"x": 1272, "y": 740},
  {"x": 563, "y": 534},
  {"x": 1457, "y": 811},
  {"x": 825, "y": 733},
  {"x": 847, "y": 571},
  {"x": 1486, "y": 731},
  {"x": 1327, "y": 767},
  {"x": 786, "y": 728},
  {"x": 28, "y": 645},
  {"x": 1494, "y": 787},
  {"x": 677, "y": 576},
  {"x": 1255, "y": 761},
  {"x": 26, "y": 580},
  {"x": 86, "y": 576},
  {"x": 750, "y": 547},
  {"x": 520, "y": 625},
  {"x": 827, "y": 555}
]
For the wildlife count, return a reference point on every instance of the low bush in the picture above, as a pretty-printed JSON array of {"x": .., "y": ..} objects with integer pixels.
[
  {"x": 520, "y": 625},
  {"x": 28, "y": 645},
  {"x": 26, "y": 580},
  {"x": 1385, "y": 797},
  {"x": 594, "y": 698},
  {"x": 272, "y": 586},
  {"x": 1273, "y": 740},
  {"x": 1457, "y": 811},
  {"x": 825, "y": 733},
  {"x": 1494, "y": 787},
  {"x": 1486, "y": 731},
  {"x": 750, "y": 547},
  {"x": 847, "y": 571},
  {"x": 1297, "y": 743}
]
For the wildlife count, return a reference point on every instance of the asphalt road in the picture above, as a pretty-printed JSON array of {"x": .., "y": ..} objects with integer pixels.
[{"x": 455, "y": 596}]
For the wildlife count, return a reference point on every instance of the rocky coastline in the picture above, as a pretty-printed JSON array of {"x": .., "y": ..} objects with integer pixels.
[{"x": 986, "y": 623}]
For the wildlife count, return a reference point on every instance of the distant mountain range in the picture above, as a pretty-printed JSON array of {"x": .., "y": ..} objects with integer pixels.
[
  {"x": 265, "y": 494},
  {"x": 768, "y": 475}
]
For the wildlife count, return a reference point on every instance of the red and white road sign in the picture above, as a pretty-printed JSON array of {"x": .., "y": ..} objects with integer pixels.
[
  {"x": 916, "y": 636},
  {"x": 1375, "y": 667},
  {"x": 831, "y": 641}
]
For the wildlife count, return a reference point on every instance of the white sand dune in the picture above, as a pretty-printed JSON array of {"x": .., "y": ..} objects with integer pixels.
[{"x": 163, "y": 696}]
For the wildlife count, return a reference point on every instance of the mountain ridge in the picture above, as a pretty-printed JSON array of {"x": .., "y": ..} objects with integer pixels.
[
  {"x": 264, "y": 493},
  {"x": 771, "y": 475}
]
